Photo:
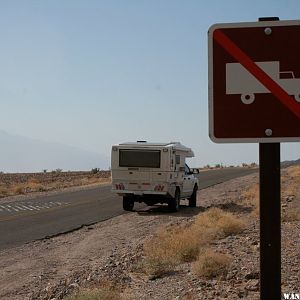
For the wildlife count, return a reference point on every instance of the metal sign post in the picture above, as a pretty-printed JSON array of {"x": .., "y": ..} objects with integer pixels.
[
  {"x": 254, "y": 97},
  {"x": 270, "y": 230},
  {"x": 270, "y": 217}
]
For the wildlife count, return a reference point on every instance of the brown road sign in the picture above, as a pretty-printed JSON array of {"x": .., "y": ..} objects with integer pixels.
[{"x": 254, "y": 82}]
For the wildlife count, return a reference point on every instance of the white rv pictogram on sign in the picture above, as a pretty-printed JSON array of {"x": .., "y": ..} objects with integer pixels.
[{"x": 240, "y": 81}]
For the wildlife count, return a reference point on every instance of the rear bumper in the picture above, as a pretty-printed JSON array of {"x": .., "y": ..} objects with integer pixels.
[{"x": 138, "y": 193}]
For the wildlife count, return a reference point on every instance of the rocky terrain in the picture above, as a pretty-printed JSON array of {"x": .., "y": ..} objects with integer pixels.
[{"x": 110, "y": 253}]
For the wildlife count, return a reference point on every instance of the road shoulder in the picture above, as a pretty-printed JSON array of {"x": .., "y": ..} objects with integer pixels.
[{"x": 111, "y": 250}]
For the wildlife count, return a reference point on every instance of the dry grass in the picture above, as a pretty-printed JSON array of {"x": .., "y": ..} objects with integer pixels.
[
  {"x": 106, "y": 290},
  {"x": 3, "y": 191},
  {"x": 171, "y": 247},
  {"x": 91, "y": 180},
  {"x": 30, "y": 186},
  {"x": 34, "y": 185},
  {"x": 18, "y": 189},
  {"x": 168, "y": 249},
  {"x": 34, "y": 180},
  {"x": 216, "y": 223},
  {"x": 294, "y": 172},
  {"x": 290, "y": 181},
  {"x": 211, "y": 264},
  {"x": 27, "y": 183},
  {"x": 251, "y": 198},
  {"x": 104, "y": 293},
  {"x": 291, "y": 215}
]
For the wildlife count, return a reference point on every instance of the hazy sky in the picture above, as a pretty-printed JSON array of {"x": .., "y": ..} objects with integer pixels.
[{"x": 94, "y": 73}]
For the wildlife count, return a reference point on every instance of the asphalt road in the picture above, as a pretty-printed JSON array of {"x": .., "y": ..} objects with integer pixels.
[{"x": 25, "y": 221}]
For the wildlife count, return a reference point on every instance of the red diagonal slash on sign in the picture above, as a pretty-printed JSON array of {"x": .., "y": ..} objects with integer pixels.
[{"x": 257, "y": 72}]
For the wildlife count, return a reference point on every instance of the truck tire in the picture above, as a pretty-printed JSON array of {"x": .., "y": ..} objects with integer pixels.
[
  {"x": 174, "y": 203},
  {"x": 128, "y": 203},
  {"x": 193, "y": 198}
]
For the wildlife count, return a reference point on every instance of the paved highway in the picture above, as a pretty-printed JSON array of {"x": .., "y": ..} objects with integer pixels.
[{"x": 28, "y": 220}]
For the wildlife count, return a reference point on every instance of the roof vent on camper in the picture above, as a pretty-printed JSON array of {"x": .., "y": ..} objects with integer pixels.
[{"x": 141, "y": 141}]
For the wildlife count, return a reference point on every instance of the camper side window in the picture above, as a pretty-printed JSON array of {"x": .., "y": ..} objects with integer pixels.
[{"x": 177, "y": 159}]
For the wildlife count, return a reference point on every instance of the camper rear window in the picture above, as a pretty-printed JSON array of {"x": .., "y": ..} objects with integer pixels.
[{"x": 138, "y": 158}]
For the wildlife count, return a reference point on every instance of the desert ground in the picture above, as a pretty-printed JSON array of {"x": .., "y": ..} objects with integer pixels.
[
  {"x": 34, "y": 184},
  {"x": 207, "y": 252}
]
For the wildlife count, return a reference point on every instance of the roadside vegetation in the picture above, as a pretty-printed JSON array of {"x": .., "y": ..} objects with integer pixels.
[
  {"x": 222, "y": 166},
  {"x": 101, "y": 293},
  {"x": 173, "y": 246},
  {"x": 290, "y": 180},
  {"x": 210, "y": 264},
  {"x": 250, "y": 197},
  {"x": 178, "y": 244},
  {"x": 24, "y": 183}
]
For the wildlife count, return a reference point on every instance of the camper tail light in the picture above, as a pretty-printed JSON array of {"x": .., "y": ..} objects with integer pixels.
[
  {"x": 120, "y": 186},
  {"x": 159, "y": 188}
]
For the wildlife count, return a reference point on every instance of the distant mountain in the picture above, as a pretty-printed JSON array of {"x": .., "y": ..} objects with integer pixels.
[
  {"x": 22, "y": 154},
  {"x": 288, "y": 163}
]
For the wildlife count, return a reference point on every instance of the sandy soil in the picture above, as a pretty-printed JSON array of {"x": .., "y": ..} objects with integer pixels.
[{"x": 110, "y": 251}]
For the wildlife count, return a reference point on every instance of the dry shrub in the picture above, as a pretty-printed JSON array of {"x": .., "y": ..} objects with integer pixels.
[
  {"x": 291, "y": 215},
  {"x": 93, "y": 180},
  {"x": 167, "y": 249},
  {"x": 57, "y": 185},
  {"x": 216, "y": 223},
  {"x": 251, "y": 194},
  {"x": 157, "y": 267},
  {"x": 18, "y": 189},
  {"x": 211, "y": 264},
  {"x": 56, "y": 180},
  {"x": 293, "y": 171},
  {"x": 171, "y": 247},
  {"x": 34, "y": 180},
  {"x": 89, "y": 180},
  {"x": 291, "y": 181},
  {"x": 103, "y": 293},
  {"x": 251, "y": 197},
  {"x": 3, "y": 191},
  {"x": 34, "y": 186}
]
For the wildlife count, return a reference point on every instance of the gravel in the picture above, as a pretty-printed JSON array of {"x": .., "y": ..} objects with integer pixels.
[{"x": 111, "y": 251}]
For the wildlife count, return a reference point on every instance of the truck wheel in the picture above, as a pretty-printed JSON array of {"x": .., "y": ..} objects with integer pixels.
[
  {"x": 174, "y": 203},
  {"x": 128, "y": 203},
  {"x": 193, "y": 198}
]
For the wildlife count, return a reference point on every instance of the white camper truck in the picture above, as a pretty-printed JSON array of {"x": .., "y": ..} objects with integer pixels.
[{"x": 153, "y": 173}]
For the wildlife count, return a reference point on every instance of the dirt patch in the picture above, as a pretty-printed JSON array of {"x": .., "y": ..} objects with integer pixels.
[{"x": 112, "y": 251}]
